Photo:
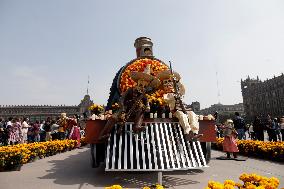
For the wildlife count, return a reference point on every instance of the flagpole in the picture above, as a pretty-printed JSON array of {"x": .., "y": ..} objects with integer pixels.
[{"x": 88, "y": 85}]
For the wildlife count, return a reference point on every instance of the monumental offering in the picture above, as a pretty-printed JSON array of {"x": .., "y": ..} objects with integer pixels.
[{"x": 160, "y": 142}]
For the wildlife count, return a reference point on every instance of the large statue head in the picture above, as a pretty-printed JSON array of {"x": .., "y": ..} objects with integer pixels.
[{"x": 166, "y": 77}]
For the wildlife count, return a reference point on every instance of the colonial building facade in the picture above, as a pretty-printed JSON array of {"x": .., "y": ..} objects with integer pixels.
[
  {"x": 223, "y": 109},
  {"x": 41, "y": 112},
  {"x": 263, "y": 97}
]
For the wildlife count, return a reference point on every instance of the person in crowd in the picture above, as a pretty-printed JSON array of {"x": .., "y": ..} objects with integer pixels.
[
  {"x": 9, "y": 122},
  {"x": 62, "y": 122},
  {"x": 20, "y": 126},
  {"x": 219, "y": 130},
  {"x": 282, "y": 127},
  {"x": 82, "y": 132},
  {"x": 230, "y": 143},
  {"x": 269, "y": 127},
  {"x": 54, "y": 130},
  {"x": 47, "y": 129},
  {"x": 42, "y": 132},
  {"x": 15, "y": 132},
  {"x": 30, "y": 133},
  {"x": 251, "y": 131},
  {"x": 239, "y": 124},
  {"x": 268, "y": 122},
  {"x": 7, "y": 126},
  {"x": 75, "y": 134},
  {"x": 71, "y": 121},
  {"x": 25, "y": 127},
  {"x": 277, "y": 129},
  {"x": 3, "y": 133},
  {"x": 272, "y": 130},
  {"x": 258, "y": 128},
  {"x": 36, "y": 131}
]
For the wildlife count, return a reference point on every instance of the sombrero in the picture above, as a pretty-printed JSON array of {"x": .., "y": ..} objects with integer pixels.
[
  {"x": 166, "y": 74},
  {"x": 146, "y": 76}
]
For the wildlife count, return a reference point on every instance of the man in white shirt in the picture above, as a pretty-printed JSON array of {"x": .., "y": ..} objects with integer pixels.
[{"x": 25, "y": 127}]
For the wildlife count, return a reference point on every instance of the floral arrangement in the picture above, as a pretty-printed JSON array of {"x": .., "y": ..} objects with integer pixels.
[
  {"x": 11, "y": 156},
  {"x": 268, "y": 150},
  {"x": 250, "y": 181},
  {"x": 156, "y": 97},
  {"x": 96, "y": 109},
  {"x": 139, "y": 65},
  {"x": 157, "y": 186}
]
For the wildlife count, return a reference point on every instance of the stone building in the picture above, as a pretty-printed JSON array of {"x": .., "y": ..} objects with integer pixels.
[
  {"x": 41, "y": 112},
  {"x": 224, "y": 111},
  {"x": 263, "y": 97}
]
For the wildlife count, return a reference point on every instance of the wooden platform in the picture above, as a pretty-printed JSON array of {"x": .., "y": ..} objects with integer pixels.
[{"x": 94, "y": 127}]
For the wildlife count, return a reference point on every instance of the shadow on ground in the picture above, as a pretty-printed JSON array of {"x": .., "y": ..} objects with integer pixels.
[{"x": 76, "y": 169}]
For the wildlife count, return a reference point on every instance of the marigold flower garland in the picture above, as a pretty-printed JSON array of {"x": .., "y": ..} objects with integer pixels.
[
  {"x": 11, "y": 156},
  {"x": 96, "y": 109},
  {"x": 157, "y": 186},
  {"x": 268, "y": 150},
  {"x": 250, "y": 181},
  {"x": 139, "y": 65}
]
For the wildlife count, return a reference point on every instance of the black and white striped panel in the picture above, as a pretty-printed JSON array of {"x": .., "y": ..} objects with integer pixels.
[{"x": 160, "y": 147}]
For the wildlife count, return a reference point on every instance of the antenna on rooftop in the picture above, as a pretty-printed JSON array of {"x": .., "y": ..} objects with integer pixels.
[{"x": 88, "y": 85}]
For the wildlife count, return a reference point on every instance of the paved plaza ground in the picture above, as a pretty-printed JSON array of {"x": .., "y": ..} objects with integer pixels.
[{"x": 72, "y": 170}]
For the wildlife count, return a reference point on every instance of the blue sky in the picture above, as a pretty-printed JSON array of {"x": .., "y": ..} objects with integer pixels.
[{"x": 48, "y": 48}]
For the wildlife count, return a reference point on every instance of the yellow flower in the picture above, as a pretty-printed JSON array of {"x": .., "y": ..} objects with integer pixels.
[{"x": 229, "y": 182}]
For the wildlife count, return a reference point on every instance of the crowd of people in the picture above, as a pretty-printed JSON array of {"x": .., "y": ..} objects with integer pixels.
[
  {"x": 19, "y": 131},
  {"x": 236, "y": 128},
  {"x": 256, "y": 130}
]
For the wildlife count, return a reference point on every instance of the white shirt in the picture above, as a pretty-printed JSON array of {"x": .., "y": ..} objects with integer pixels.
[
  {"x": 25, "y": 125},
  {"x": 9, "y": 123}
]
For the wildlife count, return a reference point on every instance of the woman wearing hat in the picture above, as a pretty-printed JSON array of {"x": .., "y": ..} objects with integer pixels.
[
  {"x": 188, "y": 121},
  {"x": 133, "y": 102},
  {"x": 230, "y": 142}
]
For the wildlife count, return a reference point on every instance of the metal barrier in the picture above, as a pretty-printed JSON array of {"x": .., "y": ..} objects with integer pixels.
[{"x": 161, "y": 147}]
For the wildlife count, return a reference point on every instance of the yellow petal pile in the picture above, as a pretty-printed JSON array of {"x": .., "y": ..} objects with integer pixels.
[
  {"x": 267, "y": 150},
  {"x": 157, "y": 186},
  {"x": 250, "y": 181},
  {"x": 19, "y": 154}
]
